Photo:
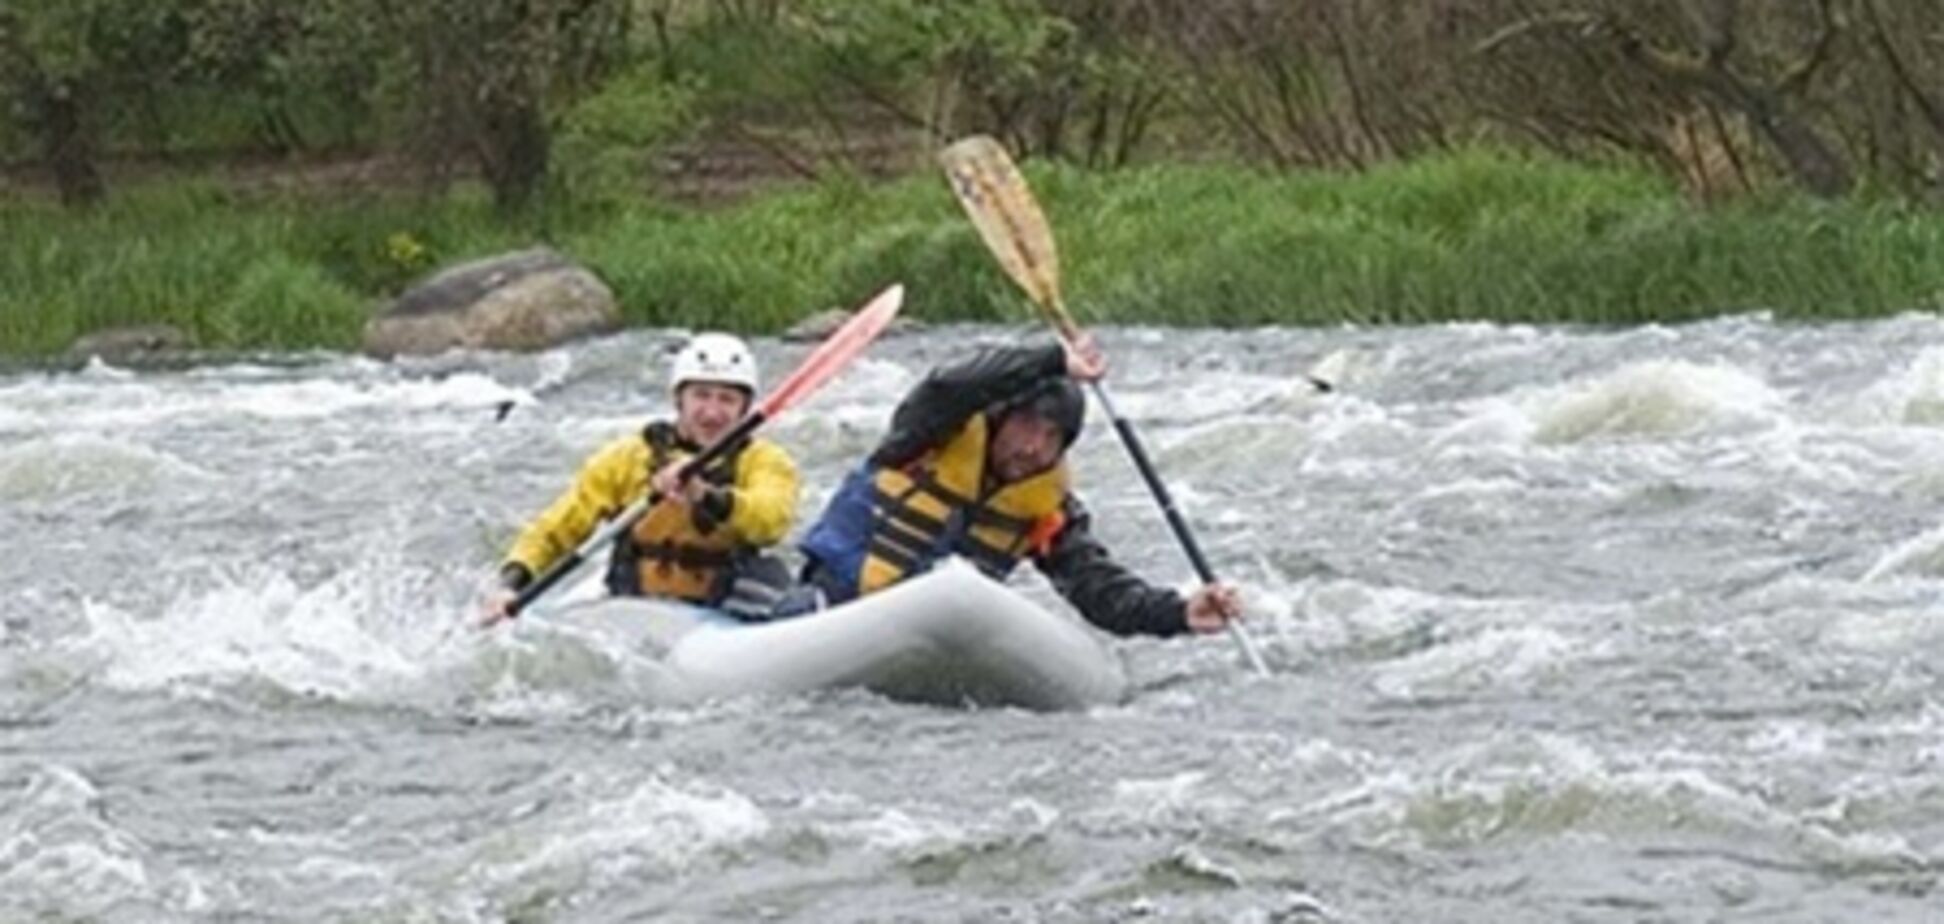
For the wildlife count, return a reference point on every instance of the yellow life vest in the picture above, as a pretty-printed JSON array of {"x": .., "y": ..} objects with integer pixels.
[
  {"x": 937, "y": 505},
  {"x": 668, "y": 553}
]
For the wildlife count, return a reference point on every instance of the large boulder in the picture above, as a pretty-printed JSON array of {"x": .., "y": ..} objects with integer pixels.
[{"x": 529, "y": 300}]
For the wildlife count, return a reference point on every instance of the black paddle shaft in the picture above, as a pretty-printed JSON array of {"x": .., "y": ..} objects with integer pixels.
[
  {"x": 627, "y": 519},
  {"x": 1138, "y": 452}
]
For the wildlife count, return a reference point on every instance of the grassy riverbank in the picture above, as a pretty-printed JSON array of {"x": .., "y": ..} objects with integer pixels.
[{"x": 1469, "y": 237}]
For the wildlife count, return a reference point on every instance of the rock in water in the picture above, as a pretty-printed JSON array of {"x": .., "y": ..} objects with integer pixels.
[
  {"x": 817, "y": 326},
  {"x": 132, "y": 346},
  {"x": 528, "y": 300},
  {"x": 821, "y": 325}
]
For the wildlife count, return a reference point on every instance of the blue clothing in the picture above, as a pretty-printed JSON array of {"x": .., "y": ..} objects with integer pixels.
[{"x": 835, "y": 546}]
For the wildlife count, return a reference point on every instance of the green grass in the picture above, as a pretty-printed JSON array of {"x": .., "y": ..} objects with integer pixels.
[
  {"x": 1472, "y": 236},
  {"x": 233, "y": 274}
]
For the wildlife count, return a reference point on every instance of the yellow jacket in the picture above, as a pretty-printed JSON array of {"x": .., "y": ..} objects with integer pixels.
[{"x": 765, "y": 490}]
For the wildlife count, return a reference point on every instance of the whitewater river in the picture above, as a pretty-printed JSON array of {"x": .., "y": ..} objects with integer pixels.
[{"x": 1566, "y": 625}]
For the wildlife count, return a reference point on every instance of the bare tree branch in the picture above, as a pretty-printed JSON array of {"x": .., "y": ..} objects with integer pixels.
[
  {"x": 1932, "y": 109},
  {"x": 1718, "y": 23},
  {"x": 1828, "y": 28},
  {"x": 1811, "y": 160}
]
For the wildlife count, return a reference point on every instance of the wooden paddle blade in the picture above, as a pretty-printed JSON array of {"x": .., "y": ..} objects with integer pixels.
[
  {"x": 835, "y": 352},
  {"x": 1002, "y": 207}
]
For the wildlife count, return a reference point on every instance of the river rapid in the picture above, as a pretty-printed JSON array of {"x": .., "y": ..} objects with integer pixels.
[{"x": 1566, "y": 625}]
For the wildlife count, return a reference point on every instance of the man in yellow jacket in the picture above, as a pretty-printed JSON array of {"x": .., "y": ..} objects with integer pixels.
[{"x": 701, "y": 545}]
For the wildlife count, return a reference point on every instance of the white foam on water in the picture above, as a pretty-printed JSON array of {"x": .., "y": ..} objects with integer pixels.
[
  {"x": 376, "y": 632},
  {"x": 1343, "y": 370},
  {"x": 60, "y": 856},
  {"x": 98, "y": 369},
  {"x": 1424, "y": 644},
  {"x": 540, "y": 667},
  {"x": 1927, "y": 728},
  {"x": 1493, "y": 422},
  {"x": 1492, "y": 487},
  {"x": 1352, "y": 436},
  {"x": 329, "y": 874},
  {"x": 371, "y": 633},
  {"x": 1367, "y": 799},
  {"x": 655, "y": 828},
  {"x": 912, "y": 835},
  {"x": 13, "y": 419},
  {"x": 1350, "y": 618},
  {"x": 844, "y": 433},
  {"x": 1656, "y": 398},
  {"x": 1159, "y": 799},
  {"x": 1910, "y": 396},
  {"x": 64, "y": 403},
  {"x": 1212, "y": 447},
  {"x": 1790, "y": 739},
  {"x": 310, "y": 399},
  {"x": 72, "y": 464},
  {"x": 1893, "y": 619},
  {"x": 1502, "y": 658},
  {"x": 553, "y": 368},
  {"x": 74, "y": 403},
  {"x": 1921, "y": 556},
  {"x": 1891, "y": 631},
  {"x": 1203, "y": 399},
  {"x": 868, "y": 380},
  {"x": 1819, "y": 455},
  {"x": 1920, "y": 470},
  {"x": 1534, "y": 788},
  {"x": 893, "y": 831}
]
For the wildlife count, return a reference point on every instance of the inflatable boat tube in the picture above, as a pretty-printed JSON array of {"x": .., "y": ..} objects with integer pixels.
[{"x": 949, "y": 637}]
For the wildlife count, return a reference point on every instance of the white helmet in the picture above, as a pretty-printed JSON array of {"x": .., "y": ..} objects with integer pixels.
[{"x": 714, "y": 358}]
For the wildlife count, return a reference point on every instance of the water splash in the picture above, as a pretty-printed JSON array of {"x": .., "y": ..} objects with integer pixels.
[
  {"x": 370, "y": 633},
  {"x": 607, "y": 835},
  {"x": 61, "y": 857},
  {"x": 1910, "y": 396},
  {"x": 70, "y": 403},
  {"x": 1651, "y": 399},
  {"x": 1921, "y": 556},
  {"x": 81, "y": 464}
]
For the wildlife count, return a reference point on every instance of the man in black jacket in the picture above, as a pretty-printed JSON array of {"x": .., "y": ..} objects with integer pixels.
[{"x": 974, "y": 465}]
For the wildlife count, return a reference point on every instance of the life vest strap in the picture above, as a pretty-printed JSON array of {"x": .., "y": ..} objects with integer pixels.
[
  {"x": 900, "y": 510},
  {"x": 668, "y": 553},
  {"x": 978, "y": 514},
  {"x": 894, "y": 554}
]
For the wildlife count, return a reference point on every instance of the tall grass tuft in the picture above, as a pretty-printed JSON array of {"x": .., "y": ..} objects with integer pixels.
[{"x": 1476, "y": 236}]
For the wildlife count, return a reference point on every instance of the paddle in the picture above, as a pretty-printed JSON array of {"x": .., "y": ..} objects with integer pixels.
[
  {"x": 1009, "y": 219},
  {"x": 829, "y": 358}
]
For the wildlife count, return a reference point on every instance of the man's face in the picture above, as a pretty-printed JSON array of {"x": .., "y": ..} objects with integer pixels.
[
  {"x": 1025, "y": 445},
  {"x": 706, "y": 410}
]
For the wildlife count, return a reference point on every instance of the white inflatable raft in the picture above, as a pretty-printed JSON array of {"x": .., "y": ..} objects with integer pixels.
[{"x": 951, "y": 637}]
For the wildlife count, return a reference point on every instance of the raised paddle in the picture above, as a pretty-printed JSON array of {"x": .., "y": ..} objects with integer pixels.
[
  {"x": 819, "y": 367},
  {"x": 987, "y": 183}
]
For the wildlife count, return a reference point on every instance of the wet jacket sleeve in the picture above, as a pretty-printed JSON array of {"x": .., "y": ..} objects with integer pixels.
[
  {"x": 938, "y": 406},
  {"x": 607, "y": 483},
  {"x": 1104, "y": 591},
  {"x": 762, "y": 506}
]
